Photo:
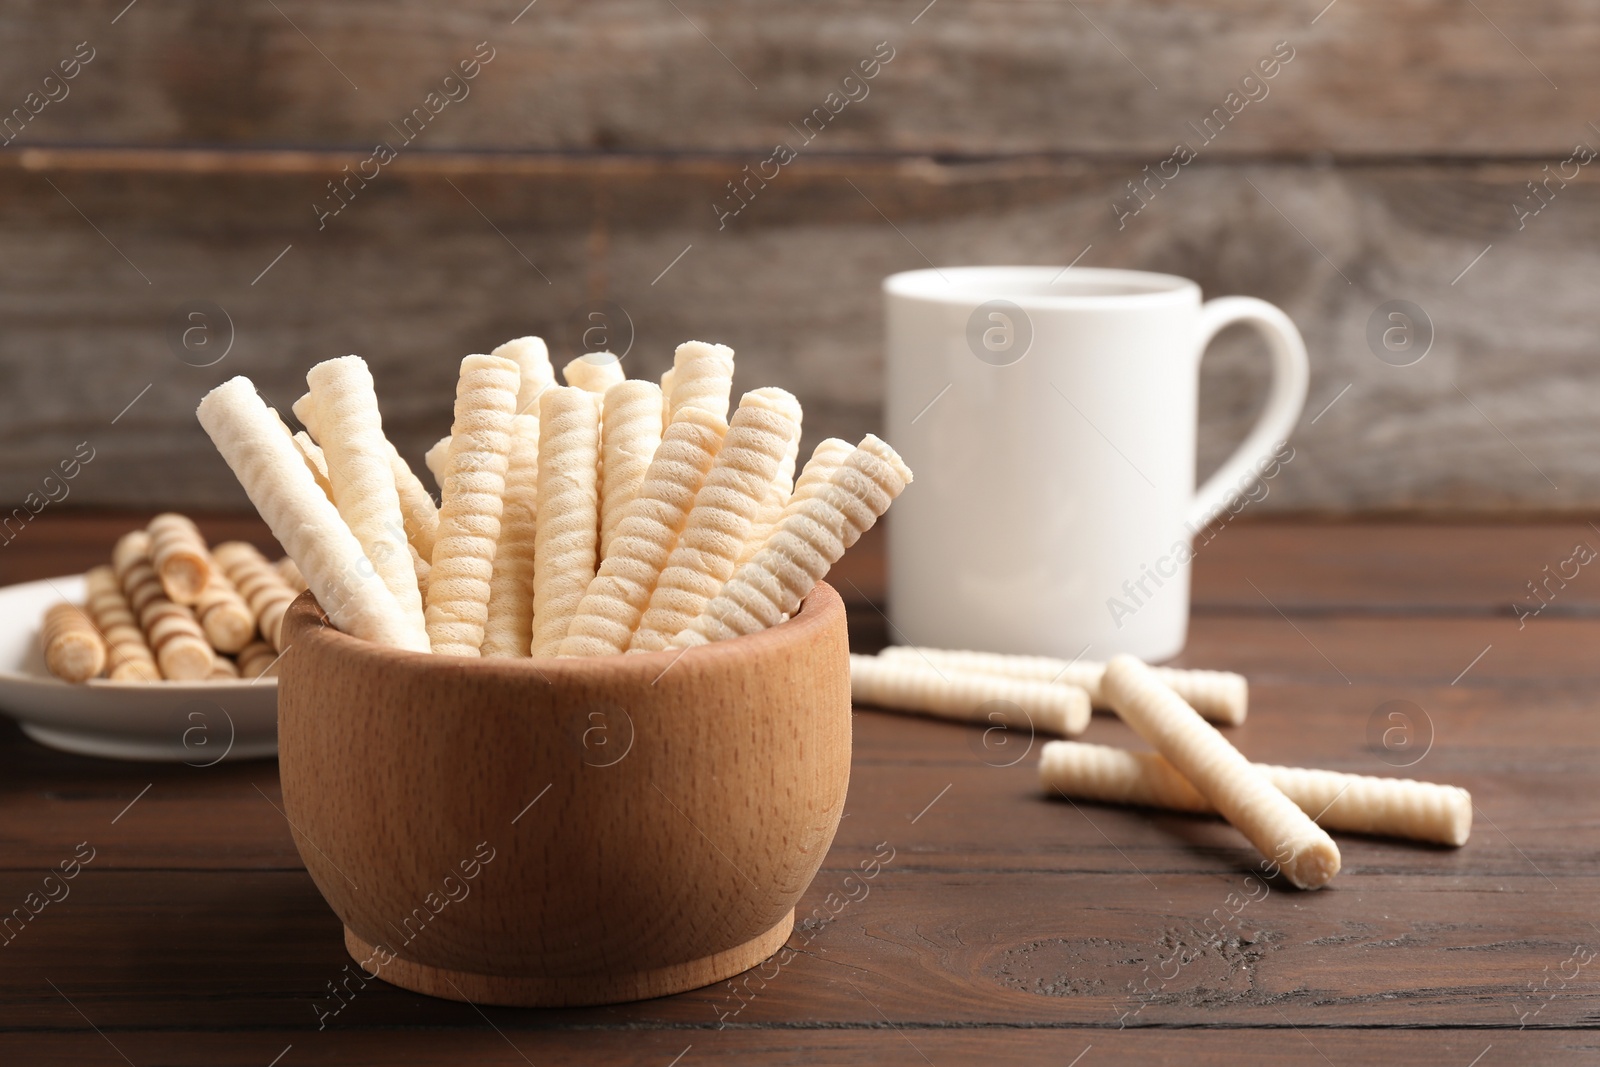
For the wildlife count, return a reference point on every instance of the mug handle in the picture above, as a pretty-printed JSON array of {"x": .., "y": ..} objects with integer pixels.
[{"x": 1291, "y": 374}]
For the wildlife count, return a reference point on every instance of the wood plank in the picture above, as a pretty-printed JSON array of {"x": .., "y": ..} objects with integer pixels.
[
  {"x": 974, "y": 76},
  {"x": 412, "y": 276}
]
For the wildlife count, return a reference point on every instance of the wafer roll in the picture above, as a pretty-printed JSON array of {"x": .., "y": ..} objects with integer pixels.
[
  {"x": 702, "y": 377},
  {"x": 256, "y": 659},
  {"x": 1219, "y": 696},
  {"x": 1062, "y": 710},
  {"x": 260, "y": 583},
  {"x": 437, "y": 460},
  {"x": 1358, "y": 803},
  {"x": 315, "y": 461},
  {"x": 74, "y": 651},
  {"x": 469, "y": 517},
  {"x": 302, "y": 518},
  {"x": 534, "y": 372},
  {"x": 595, "y": 372},
  {"x": 290, "y": 574},
  {"x": 630, "y": 434},
  {"x": 179, "y": 553},
  {"x": 363, "y": 479},
  {"x": 1241, "y": 792},
  {"x": 175, "y": 638},
  {"x": 568, "y": 523},
  {"x": 508, "y": 628},
  {"x": 806, "y": 543},
  {"x": 224, "y": 615},
  {"x": 611, "y": 606},
  {"x": 223, "y": 669},
  {"x": 766, "y": 425},
  {"x": 770, "y": 511},
  {"x": 128, "y": 654}
]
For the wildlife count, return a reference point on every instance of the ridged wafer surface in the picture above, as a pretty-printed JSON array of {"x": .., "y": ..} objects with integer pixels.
[
  {"x": 568, "y": 524},
  {"x": 806, "y": 543},
  {"x": 74, "y": 651},
  {"x": 766, "y": 426},
  {"x": 612, "y": 605},
  {"x": 702, "y": 377},
  {"x": 508, "y": 629},
  {"x": 302, "y": 518},
  {"x": 1062, "y": 710},
  {"x": 825, "y": 459},
  {"x": 534, "y": 372},
  {"x": 469, "y": 517},
  {"x": 595, "y": 372},
  {"x": 1242, "y": 793},
  {"x": 362, "y": 476},
  {"x": 437, "y": 460},
  {"x": 629, "y": 436},
  {"x": 128, "y": 654},
  {"x": 180, "y": 556},
  {"x": 175, "y": 638}
]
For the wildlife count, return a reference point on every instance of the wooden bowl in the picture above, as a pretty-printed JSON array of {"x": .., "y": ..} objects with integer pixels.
[{"x": 565, "y": 831}]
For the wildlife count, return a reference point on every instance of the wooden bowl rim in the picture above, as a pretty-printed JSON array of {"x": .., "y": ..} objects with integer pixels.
[{"x": 817, "y": 612}]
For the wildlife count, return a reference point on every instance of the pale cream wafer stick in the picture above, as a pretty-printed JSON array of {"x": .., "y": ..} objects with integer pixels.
[
  {"x": 568, "y": 524},
  {"x": 437, "y": 460},
  {"x": 262, "y": 585},
  {"x": 224, "y": 615},
  {"x": 806, "y": 543},
  {"x": 257, "y": 658},
  {"x": 179, "y": 553},
  {"x": 315, "y": 461},
  {"x": 417, "y": 509},
  {"x": 825, "y": 459},
  {"x": 534, "y": 372},
  {"x": 175, "y": 638},
  {"x": 508, "y": 629},
  {"x": 74, "y": 650},
  {"x": 1062, "y": 710},
  {"x": 303, "y": 520},
  {"x": 1242, "y": 793},
  {"x": 629, "y": 436},
  {"x": 469, "y": 517},
  {"x": 1219, "y": 696},
  {"x": 702, "y": 377},
  {"x": 1358, "y": 803},
  {"x": 765, "y": 426},
  {"x": 129, "y": 656},
  {"x": 223, "y": 669},
  {"x": 290, "y": 574},
  {"x": 612, "y": 605},
  {"x": 595, "y": 372},
  {"x": 359, "y": 470}
]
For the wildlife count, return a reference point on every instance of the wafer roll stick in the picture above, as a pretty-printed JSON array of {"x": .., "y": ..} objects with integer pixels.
[
  {"x": 256, "y": 659},
  {"x": 826, "y": 458},
  {"x": 304, "y": 521},
  {"x": 508, "y": 629},
  {"x": 223, "y": 669},
  {"x": 224, "y": 614},
  {"x": 702, "y": 377},
  {"x": 437, "y": 460},
  {"x": 290, "y": 574},
  {"x": 806, "y": 543},
  {"x": 766, "y": 425},
  {"x": 315, "y": 461},
  {"x": 74, "y": 651},
  {"x": 260, "y": 583},
  {"x": 128, "y": 654},
  {"x": 175, "y": 638},
  {"x": 359, "y": 469},
  {"x": 1242, "y": 793},
  {"x": 179, "y": 553},
  {"x": 1219, "y": 696},
  {"x": 568, "y": 523},
  {"x": 629, "y": 436},
  {"x": 1062, "y": 710},
  {"x": 612, "y": 605},
  {"x": 1358, "y": 803},
  {"x": 595, "y": 372},
  {"x": 534, "y": 372},
  {"x": 469, "y": 518}
]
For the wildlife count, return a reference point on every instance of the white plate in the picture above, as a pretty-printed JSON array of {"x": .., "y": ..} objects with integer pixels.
[{"x": 199, "y": 723}]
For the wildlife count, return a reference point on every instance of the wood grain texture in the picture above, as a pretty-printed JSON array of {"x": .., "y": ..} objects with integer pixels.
[
  {"x": 971, "y": 77},
  {"x": 1005, "y": 927},
  {"x": 412, "y": 276},
  {"x": 688, "y": 799}
]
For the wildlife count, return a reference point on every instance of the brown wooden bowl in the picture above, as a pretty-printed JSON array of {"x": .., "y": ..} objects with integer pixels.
[{"x": 565, "y": 831}]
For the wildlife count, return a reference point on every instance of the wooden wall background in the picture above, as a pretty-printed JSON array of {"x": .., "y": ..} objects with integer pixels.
[{"x": 1384, "y": 161}]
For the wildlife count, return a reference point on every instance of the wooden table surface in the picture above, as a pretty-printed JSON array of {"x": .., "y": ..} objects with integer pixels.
[{"x": 1006, "y": 928}]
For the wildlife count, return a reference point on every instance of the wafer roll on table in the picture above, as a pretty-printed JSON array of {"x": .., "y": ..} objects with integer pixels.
[
  {"x": 1062, "y": 710},
  {"x": 1241, "y": 792},
  {"x": 1358, "y": 803}
]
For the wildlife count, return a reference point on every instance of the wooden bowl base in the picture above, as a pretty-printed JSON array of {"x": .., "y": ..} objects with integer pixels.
[{"x": 579, "y": 991}]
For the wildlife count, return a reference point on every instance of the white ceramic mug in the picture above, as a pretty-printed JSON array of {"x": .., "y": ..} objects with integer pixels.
[{"x": 1050, "y": 416}]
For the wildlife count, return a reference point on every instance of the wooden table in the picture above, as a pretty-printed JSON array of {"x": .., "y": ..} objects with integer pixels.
[{"x": 1006, "y": 928}]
